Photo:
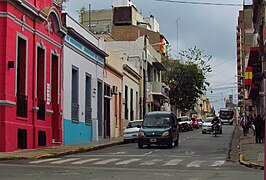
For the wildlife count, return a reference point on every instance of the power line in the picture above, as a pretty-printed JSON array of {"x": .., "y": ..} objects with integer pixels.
[{"x": 200, "y": 3}]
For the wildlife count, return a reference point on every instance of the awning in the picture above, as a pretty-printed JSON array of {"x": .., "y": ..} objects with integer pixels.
[
  {"x": 253, "y": 56},
  {"x": 159, "y": 66}
]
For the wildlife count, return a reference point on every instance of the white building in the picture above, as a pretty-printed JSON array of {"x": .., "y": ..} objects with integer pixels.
[{"x": 82, "y": 84}]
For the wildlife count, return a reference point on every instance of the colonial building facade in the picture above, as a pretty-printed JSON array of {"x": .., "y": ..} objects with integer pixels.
[
  {"x": 31, "y": 45},
  {"x": 84, "y": 59}
]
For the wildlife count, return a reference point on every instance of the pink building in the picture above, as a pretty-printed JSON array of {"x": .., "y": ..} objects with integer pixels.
[{"x": 31, "y": 38}]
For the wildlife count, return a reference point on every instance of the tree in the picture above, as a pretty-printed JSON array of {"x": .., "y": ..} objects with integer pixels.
[{"x": 187, "y": 77}]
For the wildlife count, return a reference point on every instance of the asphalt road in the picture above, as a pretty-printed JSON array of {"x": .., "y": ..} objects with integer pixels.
[{"x": 198, "y": 157}]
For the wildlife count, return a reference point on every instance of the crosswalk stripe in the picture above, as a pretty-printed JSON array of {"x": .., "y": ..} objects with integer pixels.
[
  {"x": 127, "y": 161},
  {"x": 106, "y": 161},
  {"x": 173, "y": 162},
  {"x": 195, "y": 163},
  {"x": 65, "y": 160},
  {"x": 148, "y": 163},
  {"x": 44, "y": 160},
  {"x": 218, "y": 163},
  {"x": 85, "y": 161}
]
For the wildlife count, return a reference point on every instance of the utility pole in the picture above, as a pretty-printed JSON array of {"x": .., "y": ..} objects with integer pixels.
[{"x": 177, "y": 35}]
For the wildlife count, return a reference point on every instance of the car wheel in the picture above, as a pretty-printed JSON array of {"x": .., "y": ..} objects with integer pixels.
[
  {"x": 177, "y": 141},
  {"x": 221, "y": 132},
  {"x": 203, "y": 132},
  {"x": 126, "y": 141},
  {"x": 140, "y": 146},
  {"x": 231, "y": 123},
  {"x": 170, "y": 145}
]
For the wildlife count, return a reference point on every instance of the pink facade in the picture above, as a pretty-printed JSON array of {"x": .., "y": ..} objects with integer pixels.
[{"x": 31, "y": 37}]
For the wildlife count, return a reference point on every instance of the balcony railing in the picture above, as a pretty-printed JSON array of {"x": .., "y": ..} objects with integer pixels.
[
  {"x": 22, "y": 105},
  {"x": 41, "y": 111},
  {"x": 157, "y": 87},
  {"x": 75, "y": 112}
]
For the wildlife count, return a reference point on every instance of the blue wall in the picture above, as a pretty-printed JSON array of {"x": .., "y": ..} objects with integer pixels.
[{"x": 76, "y": 132}]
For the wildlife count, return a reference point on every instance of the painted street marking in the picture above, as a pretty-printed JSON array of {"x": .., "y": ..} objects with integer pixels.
[
  {"x": 195, "y": 163},
  {"x": 106, "y": 161},
  {"x": 173, "y": 162},
  {"x": 65, "y": 160},
  {"x": 127, "y": 161},
  {"x": 152, "y": 162},
  {"x": 117, "y": 153},
  {"x": 85, "y": 161},
  {"x": 44, "y": 160},
  {"x": 217, "y": 163}
]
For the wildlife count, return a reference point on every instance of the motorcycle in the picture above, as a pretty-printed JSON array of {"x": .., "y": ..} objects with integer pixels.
[{"x": 215, "y": 129}]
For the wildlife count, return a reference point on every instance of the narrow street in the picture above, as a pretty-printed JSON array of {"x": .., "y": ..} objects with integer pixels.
[{"x": 198, "y": 156}]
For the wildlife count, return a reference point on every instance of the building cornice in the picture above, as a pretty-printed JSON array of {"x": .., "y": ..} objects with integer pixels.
[{"x": 7, "y": 103}]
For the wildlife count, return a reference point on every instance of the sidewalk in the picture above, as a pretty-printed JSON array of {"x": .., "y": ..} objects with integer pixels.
[
  {"x": 251, "y": 154},
  {"x": 61, "y": 150}
]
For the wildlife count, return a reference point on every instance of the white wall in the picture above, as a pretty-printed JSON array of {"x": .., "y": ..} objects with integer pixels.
[{"x": 84, "y": 66}]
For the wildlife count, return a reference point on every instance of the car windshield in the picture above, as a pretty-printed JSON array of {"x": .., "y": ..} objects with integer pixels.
[
  {"x": 182, "y": 119},
  {"x": 134, "y": 124},
  {"x": 208, "y": 120},
  {"x": 156, "y": 121}
]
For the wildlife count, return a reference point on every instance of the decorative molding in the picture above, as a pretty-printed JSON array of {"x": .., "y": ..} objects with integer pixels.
[
  {"x": 48, "y": 26},
  {"x": 7, "y": 103},
  {"x": 23, "y": 19},
  {"x": 35, "y": 109},
  {"x": 29, "y": 28},
  {"x": 48, "y": 111}
]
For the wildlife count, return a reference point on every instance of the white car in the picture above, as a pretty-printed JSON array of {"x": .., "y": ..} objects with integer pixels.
[
  {"x": 132, "y": 130},
  {"x": 207, "y": 125},
  {"x": 185, "y": 123}
]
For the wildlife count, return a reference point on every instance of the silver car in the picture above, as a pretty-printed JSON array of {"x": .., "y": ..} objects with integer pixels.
[
  {"x": 132, "y": 130},
  {"x": 207, "y": 125}
]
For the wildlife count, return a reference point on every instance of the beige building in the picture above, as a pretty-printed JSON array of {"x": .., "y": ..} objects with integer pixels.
[{"x": 113, "y": 82}]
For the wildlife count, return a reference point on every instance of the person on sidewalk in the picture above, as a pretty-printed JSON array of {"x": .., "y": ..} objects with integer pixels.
[
  {"x": 258, "y": 122},
  {"x": 244, "y": 124},
  {"x": 252, "y": 126}
]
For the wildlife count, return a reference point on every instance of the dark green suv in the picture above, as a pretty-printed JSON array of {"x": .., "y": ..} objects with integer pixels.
[{"x": 159, "y": 127}]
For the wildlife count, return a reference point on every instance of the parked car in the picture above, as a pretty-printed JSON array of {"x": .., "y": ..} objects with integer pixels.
[
  {"x": 131, "y": 131},
  {"x": 160, "y": 128},
  {"x": 185, "y": 123},
  {"x": 207, "y": 126},
  {"x": 195, "y": 123}
]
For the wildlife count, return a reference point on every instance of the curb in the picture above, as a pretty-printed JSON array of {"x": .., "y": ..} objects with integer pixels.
[
  {"x": 64, "y": 153},
  {"x": 79, "y": 150},
  {"x": 250, "y": 165}
]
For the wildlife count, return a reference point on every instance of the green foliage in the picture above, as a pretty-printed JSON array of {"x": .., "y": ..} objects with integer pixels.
[{"x": 187, "y": 77}]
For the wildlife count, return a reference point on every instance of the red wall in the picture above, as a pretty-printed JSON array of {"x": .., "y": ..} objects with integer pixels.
[{"x": 9, "y": 122}]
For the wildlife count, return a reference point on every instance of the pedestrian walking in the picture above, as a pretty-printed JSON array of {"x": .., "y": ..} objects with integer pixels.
[
  {"x": 244, "y": 125},
  {"x": 258, "y": 122},
  {"x": 252, "y": 126}
]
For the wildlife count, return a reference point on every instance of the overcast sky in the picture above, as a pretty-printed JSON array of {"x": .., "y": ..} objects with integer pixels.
[{"x": 211, "y": 28}]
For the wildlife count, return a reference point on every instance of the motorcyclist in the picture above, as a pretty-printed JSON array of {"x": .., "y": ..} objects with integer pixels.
[{"x": 215, "y": 120}]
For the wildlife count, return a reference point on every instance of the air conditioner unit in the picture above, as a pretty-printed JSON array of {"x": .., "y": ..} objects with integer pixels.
[{"x": 114, "y": 90}]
